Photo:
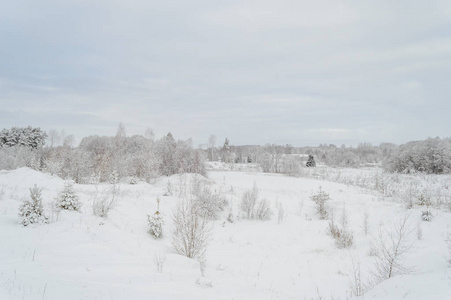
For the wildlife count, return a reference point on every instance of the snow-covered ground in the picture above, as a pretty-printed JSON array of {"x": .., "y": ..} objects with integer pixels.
[{"x": 81, "y": 256}]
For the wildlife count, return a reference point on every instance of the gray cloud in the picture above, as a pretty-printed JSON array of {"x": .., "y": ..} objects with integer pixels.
[{"x": 298, "y": 72}]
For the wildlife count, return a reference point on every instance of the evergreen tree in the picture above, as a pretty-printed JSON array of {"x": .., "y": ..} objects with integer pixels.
[
  {"x": 67, "y": 198},
  {"x": 31, "y": 211},
  {"x": 311, "y": 161},
  {"x": 156, "y": 222}
]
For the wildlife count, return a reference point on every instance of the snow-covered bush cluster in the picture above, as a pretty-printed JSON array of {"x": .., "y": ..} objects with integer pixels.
[
  {"x": 432, "y": 156},
  {"x": 209, "y": 203},
  {"x": 68, "y": 198},
  {"x": 31, "y": 211},
  {"x": 252, "y": 207},
  {"x": 136, "y": 156}
]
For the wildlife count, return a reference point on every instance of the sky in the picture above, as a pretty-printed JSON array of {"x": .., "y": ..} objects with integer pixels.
[{"x": 255, "y": 71}]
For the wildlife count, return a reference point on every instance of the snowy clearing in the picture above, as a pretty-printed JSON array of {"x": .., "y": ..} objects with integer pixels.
[{"x": 81, "y": 256}]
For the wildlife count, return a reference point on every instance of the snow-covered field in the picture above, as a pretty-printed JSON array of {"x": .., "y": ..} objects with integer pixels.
[{"x": 81, "y": 256}]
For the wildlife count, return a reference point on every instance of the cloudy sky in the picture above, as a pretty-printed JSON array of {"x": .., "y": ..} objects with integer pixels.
[{"x": 256, "y": 71}]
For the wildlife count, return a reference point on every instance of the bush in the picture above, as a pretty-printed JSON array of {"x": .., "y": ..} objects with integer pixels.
[
  {"x": 67, "y": 198},
  {"x": 342, "y": 236},
  {"x": 209, "y": 203},
  {"x": 102, "y": 204},
  {"x": 263, "y": 211},
  {"x": 426, "y": 215},
  {"x": 320, "y": 200},
  {"x": 254, "y": 209},
  {"x": 248, "y": 201},
  {"x": 191, "y": 232},
  {"x": 31, "y": 211}
]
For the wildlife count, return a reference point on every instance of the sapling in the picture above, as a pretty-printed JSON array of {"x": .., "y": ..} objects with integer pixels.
[
  {"x": 392, "y": 246},
  {"x": 31, "y": 210},
  {"x": 156, "y": 222},
  {"x": 67, "y": 198},
  {"x": 320, "y": 199}
]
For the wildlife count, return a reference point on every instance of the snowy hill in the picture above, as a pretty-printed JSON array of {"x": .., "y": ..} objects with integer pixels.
[{"x": 82, "y": 256}]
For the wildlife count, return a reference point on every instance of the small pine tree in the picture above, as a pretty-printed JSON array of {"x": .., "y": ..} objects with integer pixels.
[
  {"x": 320, "y": 199},
  {"x": 31, "y": 211},
  {"x": 156, "y": 223},
  {"x": 311, "y": 161},
  {"x": 67, "y": 198}
]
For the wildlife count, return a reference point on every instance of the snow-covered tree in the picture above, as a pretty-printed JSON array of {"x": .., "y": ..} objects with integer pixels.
[
  {"x": 156, "y": 222},
  {"x": 28, "y": 137},
  {"x": 67, "y": 198},
  {"x": 430, "y": 156},
  {"x": 31, "y": 210}
]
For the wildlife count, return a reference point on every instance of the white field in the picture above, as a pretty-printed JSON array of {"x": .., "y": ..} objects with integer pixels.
[{"x": 81, "y": 256}]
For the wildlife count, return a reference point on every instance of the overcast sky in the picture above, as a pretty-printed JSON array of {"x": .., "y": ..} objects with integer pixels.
[{"x": 284, "y": 72}]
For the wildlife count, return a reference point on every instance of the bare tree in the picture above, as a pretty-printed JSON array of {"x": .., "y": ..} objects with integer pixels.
[
  {"x": 211, "y": 146},
  {"x": 392, "y": 246},
  {"x": 54, "y": 137},
  {"x": 191, "y": 231},
  {"x": 149, "y": 134},
  {"x": 69, "y": 141}
]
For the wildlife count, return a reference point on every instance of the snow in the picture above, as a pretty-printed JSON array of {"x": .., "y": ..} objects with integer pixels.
[{"x": 82, "y": 256}]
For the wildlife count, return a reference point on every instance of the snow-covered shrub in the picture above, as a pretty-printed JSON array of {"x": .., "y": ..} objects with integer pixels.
[
  {"x": 320, "y": 199},
  {"x": 94, "y": 179},
  {"x": 114, "y": 177},
  {"x": 31, "y": 210},
  {"x": 342, "y": 236},
  {"x": 191, "y": 232},
  {"x": 248, "y": 202},
  {"x": 209, "y": 203},
  {"x": 252, "y": 208},
  {"x": 426, "y": 215},
  {"x": 67, "y": 198},
  {"x": 132, "y": 180},
  {"x": 230, "y": 218},
  {"x": 291, "y": 165},
  {"x": 263, "y": 211},
  {"x": 103, "y": 203},
  {"x": 424, "y": 200}
]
